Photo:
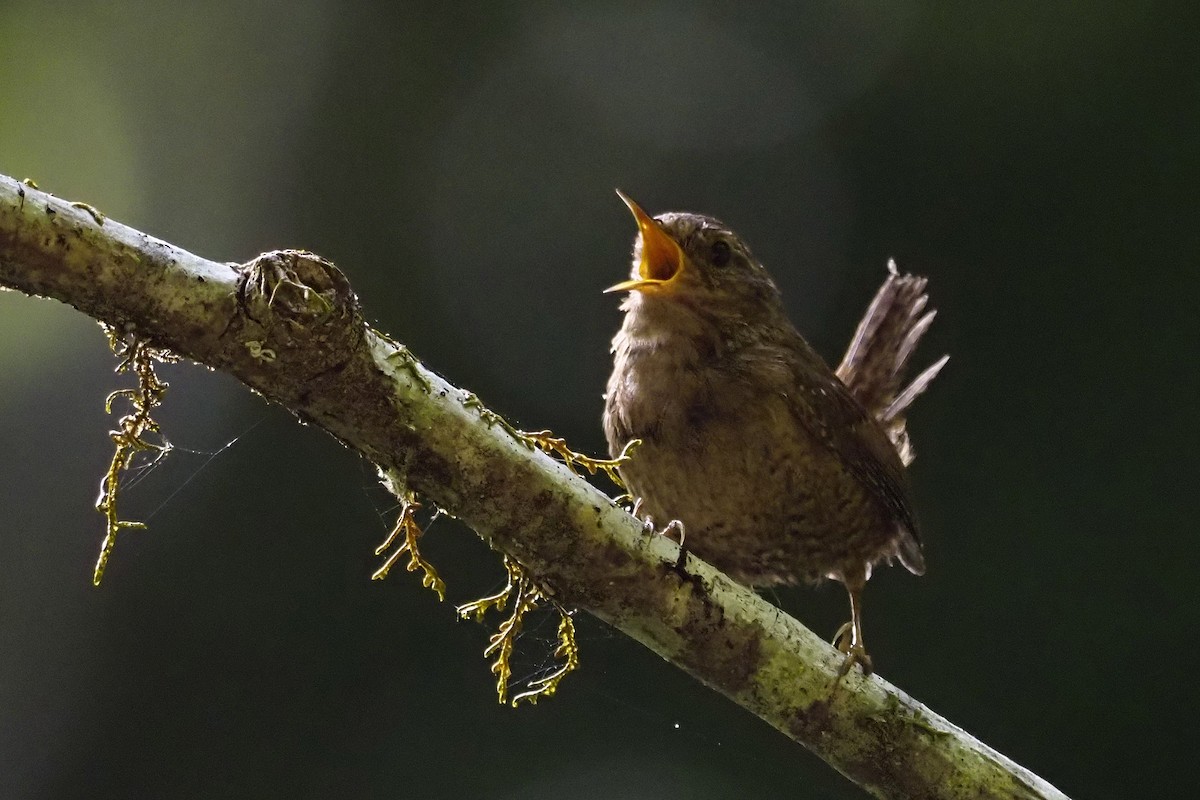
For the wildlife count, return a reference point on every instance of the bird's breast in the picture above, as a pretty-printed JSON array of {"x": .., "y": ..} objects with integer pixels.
[{"x": 661, "y": 385}]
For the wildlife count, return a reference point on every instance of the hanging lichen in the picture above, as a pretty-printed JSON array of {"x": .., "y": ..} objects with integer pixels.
[
  {"x": 525, "y": 596},
  {"x": 407, "y": 527},
  {"x": 137, "y": 357},
  {"x": 567, "y": 650},
  {"x": 522, "y": 591}
]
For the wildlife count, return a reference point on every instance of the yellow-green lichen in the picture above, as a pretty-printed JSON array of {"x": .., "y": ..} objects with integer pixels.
[
  {"x": 404, "y": 357},
  {"x": 259, "y": 353},
  {"x": 522, "y": 591},
  {"x": 137, "y": 357},
  {"x": 409, "y": 532},
  {"x": 491, "y": 418},
  {"x": 96, "y": 215},
  {"x": 547, "y": 442},
  {"x": 555, "y": 445},
  {"x": 525, "y": 595},
  {"x": 567, "y": 650}
]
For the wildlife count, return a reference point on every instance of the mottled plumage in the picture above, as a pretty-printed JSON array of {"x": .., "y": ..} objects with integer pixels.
[{"x": 780, "y": 470}]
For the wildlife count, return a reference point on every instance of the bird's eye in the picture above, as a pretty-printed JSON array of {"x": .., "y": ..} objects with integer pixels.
[{"x": 720, "y": 253}]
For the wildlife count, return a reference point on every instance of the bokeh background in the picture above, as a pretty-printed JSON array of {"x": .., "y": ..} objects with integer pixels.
[{"x": 1038, "y": 161}]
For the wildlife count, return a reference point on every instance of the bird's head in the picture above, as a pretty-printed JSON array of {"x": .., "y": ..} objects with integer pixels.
[{"x": 696, "y": 261}]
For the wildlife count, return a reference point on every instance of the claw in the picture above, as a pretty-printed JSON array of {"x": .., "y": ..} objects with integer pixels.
[
  {"x": 676, "y": 526},
  {"x": 647, "y": 521},
  {"x": 856, "y": 655}
]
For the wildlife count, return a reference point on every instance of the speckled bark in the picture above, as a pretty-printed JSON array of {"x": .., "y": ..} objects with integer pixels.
[{"x": 288, "y": 325}]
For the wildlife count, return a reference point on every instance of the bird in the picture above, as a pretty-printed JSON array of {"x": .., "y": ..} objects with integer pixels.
[{"x": 778, "y": 468}]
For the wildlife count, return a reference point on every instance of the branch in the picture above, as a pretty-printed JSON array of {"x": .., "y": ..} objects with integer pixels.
[{"x": 288, "y": 325}]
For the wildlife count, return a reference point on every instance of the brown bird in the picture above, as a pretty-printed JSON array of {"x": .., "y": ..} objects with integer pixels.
[{"x": 780, "y": 468}]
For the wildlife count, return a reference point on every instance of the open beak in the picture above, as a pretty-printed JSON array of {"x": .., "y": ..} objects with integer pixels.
[{"x": 662, "y": 257}]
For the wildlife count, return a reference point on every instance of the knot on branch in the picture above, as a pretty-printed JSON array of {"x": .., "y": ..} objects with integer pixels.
[{"x": 295, "y": 303}]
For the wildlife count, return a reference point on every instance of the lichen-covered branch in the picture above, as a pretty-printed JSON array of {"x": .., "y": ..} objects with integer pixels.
[{"x": 288, "y": 325}]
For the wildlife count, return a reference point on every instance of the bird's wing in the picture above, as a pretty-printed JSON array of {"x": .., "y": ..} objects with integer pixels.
[
  {"x": 869, "y": 454},
  {"x": 827, "y": 410}
]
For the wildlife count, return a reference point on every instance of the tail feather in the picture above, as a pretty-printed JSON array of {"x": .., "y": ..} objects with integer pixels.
[{"x": 875, "y": 364}]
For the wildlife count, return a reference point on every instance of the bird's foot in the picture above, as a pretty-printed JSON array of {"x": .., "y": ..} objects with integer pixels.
[
  {"x": 647, "y": 521},
  {"x": 676, "y": 527},
  {"x": 673, "y": 531},
  {"x": 856, "y": 655},
  {"x": 854, "y": 651}
]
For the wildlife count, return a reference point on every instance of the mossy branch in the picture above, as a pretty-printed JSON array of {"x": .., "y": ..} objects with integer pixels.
[{"x": 288, "y": 325}]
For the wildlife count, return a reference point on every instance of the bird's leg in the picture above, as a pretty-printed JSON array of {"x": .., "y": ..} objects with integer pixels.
[{"x": 849, "y": 638}]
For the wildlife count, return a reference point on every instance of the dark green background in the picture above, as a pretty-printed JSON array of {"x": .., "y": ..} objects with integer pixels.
[{"x": 1039, "y": 162}]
